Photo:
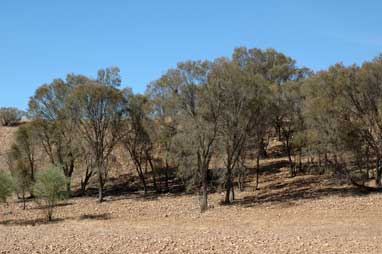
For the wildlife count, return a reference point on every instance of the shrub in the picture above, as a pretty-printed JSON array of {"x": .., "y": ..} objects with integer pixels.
[
  {"x": 50, "y": 188},
  {"x": 6, "y": 186},
  {"x": 10, "y": 116}
]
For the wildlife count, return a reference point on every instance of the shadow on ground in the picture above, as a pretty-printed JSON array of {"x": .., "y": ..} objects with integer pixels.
[
  {"x": 306, "y": 187},
  {"x": 40, "y": 207},
  {"x": 34, "y": 222},
  {"x": 128, "y": 186},
  {"x": 44, "y": 221},
  {"x": 103, "y": 216},
  {"x": 275, "y": 187}
]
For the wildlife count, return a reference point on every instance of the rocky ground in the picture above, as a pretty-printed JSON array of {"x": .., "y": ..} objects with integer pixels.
[{"x": 306, "y": 214}]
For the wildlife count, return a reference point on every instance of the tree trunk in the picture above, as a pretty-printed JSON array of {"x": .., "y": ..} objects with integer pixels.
[
  {"x": 289, "y": 152},
  {"x": 155, "y": 182},
  {"x": 300, "y": 161},
  {"x": 229, "y": 187},
  {"x": 263, "y": 150},
  {"x": 100, "y": 187},
  {"x": 278, "y": 130},
  {"x": 85, "y": 181},
  {"x": 367, "y": 163},
  {"x": 204, "y": 197},
  {"x": 154, "y": 176},
  {"x": 257, "y": 171},
  {"x": 68, "y": 187},
  {"x": 326, "y": 164},
  {"x": 141, "y": 174},
  {"x": 100, "y": 193},
  {"x": 167, "y": 177},
  {"x": 50, "y": 214},
  {"x": 33, "y": 179},
  {"x": 24, "y": 201},
  {"x": 240, "y": 181},
  {"x": 143, "y": 180},
  {"x": 378, "y": 173}
]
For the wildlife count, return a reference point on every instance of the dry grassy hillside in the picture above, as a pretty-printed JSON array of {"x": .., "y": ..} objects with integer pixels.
[{"x": 6, "y": 140}]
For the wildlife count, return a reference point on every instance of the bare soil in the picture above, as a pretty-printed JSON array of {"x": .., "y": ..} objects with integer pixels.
[{"x": 305, "y": 214}]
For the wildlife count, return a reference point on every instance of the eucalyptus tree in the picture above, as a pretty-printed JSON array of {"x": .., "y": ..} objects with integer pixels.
[
  {"x": 22, "y": 160},
  {"x": 137, "y": 140},
  {"x": 23, "y": 152},
  {"x": 321, "y": 115},
  {"x": 292, "y": 127},
  {"x": 164, "y": 112},
  {"x": 276, "y": 68},
  {"x": 100, "y": 118},
  {"x": 345, "y": 109},
  {"x": 55, "y": 125},
  {"x": 260, "y": 108},
  {"x": 240, "y": 96},
  {"x": 22, "y": 180},
  {"x": 190, "y": 120}
]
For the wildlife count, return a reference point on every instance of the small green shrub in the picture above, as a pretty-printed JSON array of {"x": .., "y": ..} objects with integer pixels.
[
  {"x": 6, "y": 186},
  {"x": 50, "y": 189}
]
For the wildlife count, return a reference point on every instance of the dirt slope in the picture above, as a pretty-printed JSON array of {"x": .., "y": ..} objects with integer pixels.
[
  {"x": 6, "y": 140},
  {"x": 306, "y": 214}
]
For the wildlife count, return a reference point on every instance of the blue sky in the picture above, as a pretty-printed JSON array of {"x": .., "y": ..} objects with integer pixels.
[{"x": 42, "y": 40}]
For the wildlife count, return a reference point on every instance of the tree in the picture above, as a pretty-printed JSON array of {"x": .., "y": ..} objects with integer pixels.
[
  {"x": 344, "y": 109},
  {"x": 10, "y": 116},
  {"x": 55, "y": 125},
  {"x": 22, "y": 160},
  {"x": 23, "y": 153},
  {"x": 87, "y": 167},
  {"x": 236, "y": 92},
  {"x": 188, "y": 122},
  {"x": 292, "y": 125},
  {"x": 137, "y": 141},
  {"x": 276, "y": 68},
  {"x": 101, "y": 112},
  {"x": 50, "y": 189},
  {"x": 22, "y": 180},
  {"x": 164, "y": 110},
  {"x": 260, "y": 108}
]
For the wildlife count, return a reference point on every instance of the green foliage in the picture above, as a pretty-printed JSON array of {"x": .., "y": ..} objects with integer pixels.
[
  {"x": 50, "y": 188},
  {"x": 6, "y": 186}
]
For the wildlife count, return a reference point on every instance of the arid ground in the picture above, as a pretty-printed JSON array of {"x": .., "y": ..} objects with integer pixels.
[{"x": 305, "y": 214}]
